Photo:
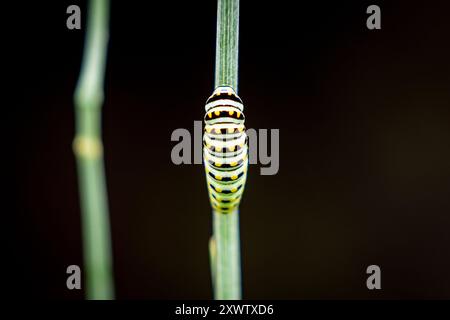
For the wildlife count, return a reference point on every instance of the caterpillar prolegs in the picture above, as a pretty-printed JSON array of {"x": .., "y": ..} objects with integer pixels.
[{"x": 225, "y": 149}]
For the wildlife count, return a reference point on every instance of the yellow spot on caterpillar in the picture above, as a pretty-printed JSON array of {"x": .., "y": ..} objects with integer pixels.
[
  {"x": 234, "y": 190},
  {"x": 218, "y": 149},
  {"x": 217, "y": 112},
  {"x": 218, "y": 177},
  {"x": 218, "y": 189},
  {"x": 238, "y": 114},
  {"x": 230, "y": 130},
  {"x": 217, "y": 130},
  {"x": 218, "y": 164},
  {"x": 208, "y": 129},
  {"x": 209, "y": 114},
  {"x": 231, "y": 148},
  {"x": 241, "y": 129},
  {"x": 233, "y": 164},
  {"x": 231, "y": 112},
  {"x": 233, "y": 177}
]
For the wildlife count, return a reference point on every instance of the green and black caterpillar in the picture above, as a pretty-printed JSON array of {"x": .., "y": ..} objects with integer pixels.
[{"x": 225, "y": 150}]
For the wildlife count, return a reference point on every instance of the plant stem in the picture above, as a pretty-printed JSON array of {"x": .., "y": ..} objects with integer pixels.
[
  {"x": 227, "y": 43},
  {"x": 88, "y": 150},
  {"x": 227, "y": 284},
  {"x": 225, "y": 258}
]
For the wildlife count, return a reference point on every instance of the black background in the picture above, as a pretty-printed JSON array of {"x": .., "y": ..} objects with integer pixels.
[{"x": 364, "y": 123}]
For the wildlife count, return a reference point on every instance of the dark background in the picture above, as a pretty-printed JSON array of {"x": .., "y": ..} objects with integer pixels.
[{"x": 364, "y": 119}]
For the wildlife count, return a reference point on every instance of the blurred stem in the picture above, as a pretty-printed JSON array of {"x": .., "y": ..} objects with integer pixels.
[
  {"x": 225, "y": 257},
  {"x": 88, "y": 150},
  {"x": 212, "y": 260}
]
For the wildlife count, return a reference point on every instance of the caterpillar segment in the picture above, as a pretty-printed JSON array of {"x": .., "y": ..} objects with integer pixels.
[{"x": 225, "y": 149}]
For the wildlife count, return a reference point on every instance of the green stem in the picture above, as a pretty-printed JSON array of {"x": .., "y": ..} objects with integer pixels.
[
  {"x": 88, "y": 150},
  {"x": 225, "y": 263},
  {"x": 227, "y": 43},
  {"x": 227, "y": 284}
]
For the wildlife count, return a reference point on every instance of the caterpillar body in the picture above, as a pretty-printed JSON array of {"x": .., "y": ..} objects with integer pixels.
[{"x": 225, "y": 150}]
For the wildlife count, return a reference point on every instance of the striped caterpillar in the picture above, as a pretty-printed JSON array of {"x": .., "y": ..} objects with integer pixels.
[{"x": 225, "y": 149}]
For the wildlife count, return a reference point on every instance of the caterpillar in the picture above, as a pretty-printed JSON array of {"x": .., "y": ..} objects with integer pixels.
[{"x": 225, "y": 149}]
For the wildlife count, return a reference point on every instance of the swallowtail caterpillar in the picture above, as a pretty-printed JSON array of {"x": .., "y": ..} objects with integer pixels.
[{"x": 225, "y": 149}]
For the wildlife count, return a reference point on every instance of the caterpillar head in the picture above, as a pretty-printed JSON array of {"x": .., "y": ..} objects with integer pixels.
[{"x": 224, "y": 95}]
